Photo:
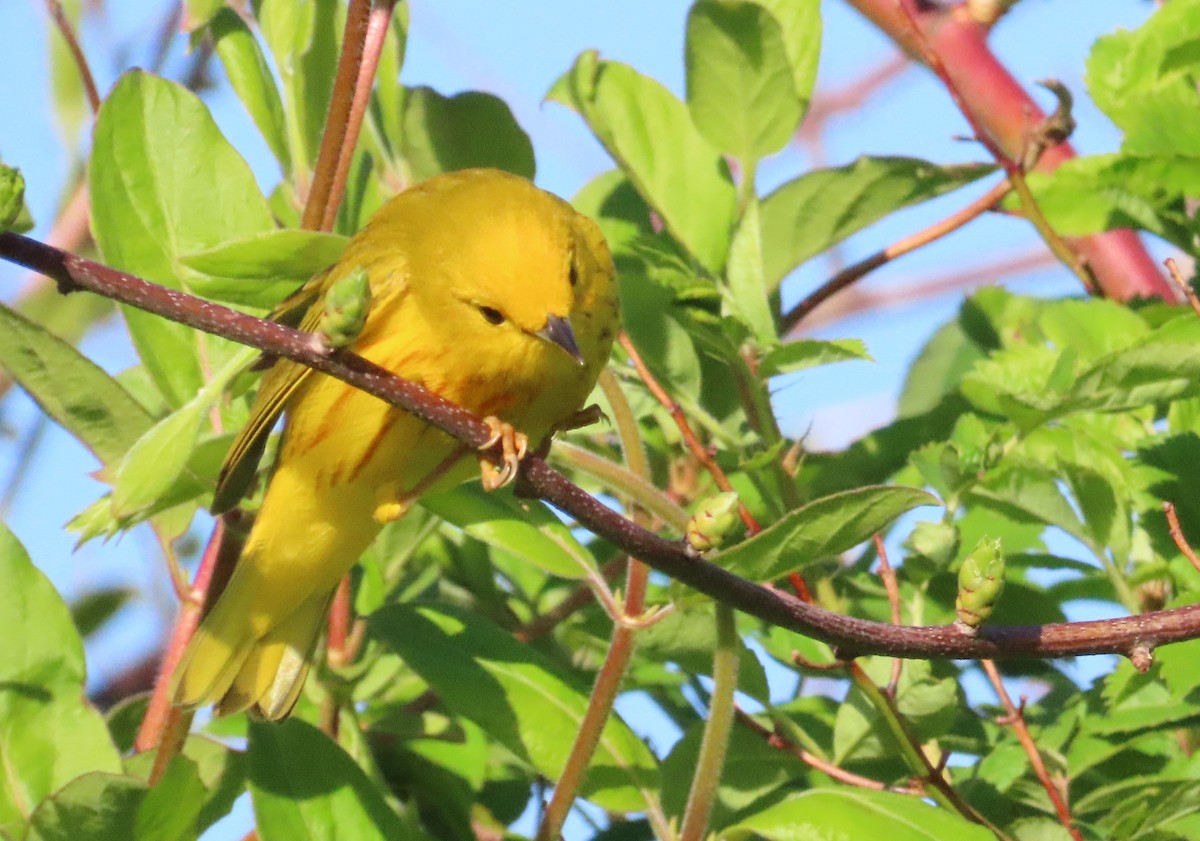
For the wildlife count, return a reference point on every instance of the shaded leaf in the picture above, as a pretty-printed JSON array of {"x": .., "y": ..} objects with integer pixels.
[
  {"x": 518, "y": 696},
  {"x": 70, "y": 388},
  {"x": 740, "y": 89},
  {"x": 303, "y": 785},
  {"x": 857, "y": 813},
  {"x": 472, "y": 129},
  {"x": 526, "y": 528}
]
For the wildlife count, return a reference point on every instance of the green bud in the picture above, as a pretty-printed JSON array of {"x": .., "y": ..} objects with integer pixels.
[
  {"x": 345, "y": 309},
  {"x": 714, "y": 520},
  {"x": 980, "y": 582},
  {"x": 14, "y": 216}
]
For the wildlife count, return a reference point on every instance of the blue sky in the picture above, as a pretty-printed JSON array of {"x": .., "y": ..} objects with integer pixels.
[{"x": 517, "y": 50}]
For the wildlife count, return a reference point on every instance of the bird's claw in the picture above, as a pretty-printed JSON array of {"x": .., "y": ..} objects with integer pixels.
[{"x": 513, "y": 447}]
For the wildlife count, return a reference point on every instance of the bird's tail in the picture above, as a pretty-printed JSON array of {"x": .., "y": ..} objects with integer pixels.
[{"x": 229, "y": 665}]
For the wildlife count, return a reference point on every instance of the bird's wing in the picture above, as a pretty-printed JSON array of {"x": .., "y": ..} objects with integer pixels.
[{"x": 278, "y": 384}]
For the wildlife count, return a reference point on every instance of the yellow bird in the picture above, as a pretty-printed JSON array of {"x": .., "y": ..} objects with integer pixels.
[{"x": 486, "y": 290}]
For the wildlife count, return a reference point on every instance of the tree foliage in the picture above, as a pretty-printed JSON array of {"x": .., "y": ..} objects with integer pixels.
[{"x": 1057, "y": 427}]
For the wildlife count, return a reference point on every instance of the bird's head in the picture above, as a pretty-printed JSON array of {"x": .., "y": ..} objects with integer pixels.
[{"x": 520, "y": 274}]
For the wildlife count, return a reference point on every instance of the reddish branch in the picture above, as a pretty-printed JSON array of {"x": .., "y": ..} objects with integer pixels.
[
  {"x": 1015, "y": 717},
  {"x": 337, "y": 120},
  {"x": 1006, "y": 113},
  {"x": 777, "y": 740},
  {"x": 690, "y": 439},
  {"x": 850, "y": 636},
  {"x": 1177, "y": 535},
  {"x": 892, "y": 587}
]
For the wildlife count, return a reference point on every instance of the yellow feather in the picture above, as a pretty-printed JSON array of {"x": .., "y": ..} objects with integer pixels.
[{"x": 468, "y": 271}]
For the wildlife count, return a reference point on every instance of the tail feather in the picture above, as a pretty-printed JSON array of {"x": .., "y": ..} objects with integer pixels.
[{"x": 228, "y": 665}]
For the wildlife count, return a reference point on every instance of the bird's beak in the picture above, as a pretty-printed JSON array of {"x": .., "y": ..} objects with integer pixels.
[{"x": 558, "y": 332}]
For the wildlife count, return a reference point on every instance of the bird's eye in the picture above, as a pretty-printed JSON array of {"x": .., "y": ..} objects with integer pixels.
[
  {"x": 492, "y": 316},
  {"x": 574, "y": 275}
]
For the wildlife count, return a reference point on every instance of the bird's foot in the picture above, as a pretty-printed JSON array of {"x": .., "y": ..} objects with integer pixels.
[{"x": 513, "y": 447}]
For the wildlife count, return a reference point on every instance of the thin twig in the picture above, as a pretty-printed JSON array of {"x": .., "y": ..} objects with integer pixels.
[
  {"x": 165, "y": 726},
  {"x": 932, "y": 776},
  {"x": 893, "y": 595},
  {"x": 1186, "y": 288},
  {"x": 1177, "y": 535},
  {"x": 1016, "y": 719},
  {"x": 851, "y": 636},
  {"x": 781, "y": 742},
  {"x": 577, "y": 600},
  {"x": 54, "y": 7},
  {"x": 853, "y": 273},
  {"x": 695, "y": 447}
]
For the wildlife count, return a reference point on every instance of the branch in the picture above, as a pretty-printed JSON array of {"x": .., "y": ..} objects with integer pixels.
[
  {"x": 337, "y": 120},
  {"x": 1006, "y": 113},
  {"x": 862, "y": 268},
  {"x": 54, "y": 7},
  {"x": 852, "y": 637},
  {"x": 1016, "y": 717}
]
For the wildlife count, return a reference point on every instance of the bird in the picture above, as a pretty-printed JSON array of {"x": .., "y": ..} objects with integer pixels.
[{"x": 484, "y": 289}]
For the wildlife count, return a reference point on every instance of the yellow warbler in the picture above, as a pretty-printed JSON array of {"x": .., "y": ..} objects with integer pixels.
[{"x": 485, "y": 289}]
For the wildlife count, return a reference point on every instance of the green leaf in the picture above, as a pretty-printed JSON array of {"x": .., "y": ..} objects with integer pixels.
[
  {"x": 74, "y": 391},
  {"x": 1145, "y": 80},
  {"x": 857, "y": 813},
  {"x": 740, "y": 89},
  {"x": 747, "y": 295},
  {"x": 801, "y": 24},
  {"x": 799, "y": 354},
  {"x": 93, "y": 807},
  {"x": 814, "y": 212},
  {"x": 688, "y": 638},
  {"x": 93, "y": 610},
  {"x": 164, "y": 182},
  {"x": 196, "y": 13},
  {"x": 1102, "y": 192},
  {"x": 928, "y": 704},
  {"x": 303, "y": 785},
  {"x": 170, "y": 809},
  {"x": 152, "y": 467},
  {"x": 518, "y": 696},
  {"x": 472, "y": 129},
  {"x": 49, "y": 734},
  {"x": 821, "y": 529},
  {"x": 1032, "y": 493},
  {"x": 946, "y": 357},
  {"x": 650, "y": 134},
  {"x": 526, "y": 528},
  {"x": 153, "y": 463},
  {"x": 250, "y": 77},
  {"x": 283, "y": 254},
  {"x": 303, "y": 39},
  {"x": 220, "y": 771}
]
